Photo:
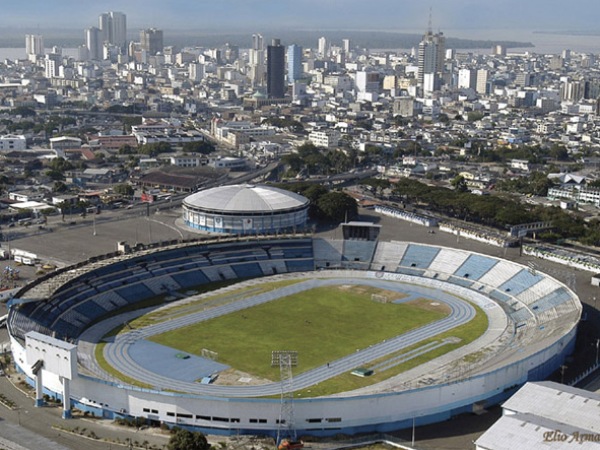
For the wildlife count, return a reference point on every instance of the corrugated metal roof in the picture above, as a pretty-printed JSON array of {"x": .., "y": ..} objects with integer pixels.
[
  {"x": 559, "y": 403},
  {"x": 528, "y": 432},
  {"x": 546, "y": 415}
]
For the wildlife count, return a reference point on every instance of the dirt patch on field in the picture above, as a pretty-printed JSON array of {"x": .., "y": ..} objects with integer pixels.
[
  {"x": 430, "y": 305},
  {"x": 380, "y": 295},
  {"x": 232, "y": 377}
]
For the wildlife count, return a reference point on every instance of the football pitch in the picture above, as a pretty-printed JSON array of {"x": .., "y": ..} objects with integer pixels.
[{"x": 322, "y": 324}]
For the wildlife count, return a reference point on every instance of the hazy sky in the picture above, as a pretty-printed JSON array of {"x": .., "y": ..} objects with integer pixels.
[{"x": 308, "y": 14}]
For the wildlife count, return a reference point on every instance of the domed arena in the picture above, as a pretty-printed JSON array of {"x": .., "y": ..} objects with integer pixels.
[{"x": 245, "y": 209}]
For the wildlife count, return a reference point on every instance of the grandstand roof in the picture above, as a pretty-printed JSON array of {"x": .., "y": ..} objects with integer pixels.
[{"x": 246, "y": 198}]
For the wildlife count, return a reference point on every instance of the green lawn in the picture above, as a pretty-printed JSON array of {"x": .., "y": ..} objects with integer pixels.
[
  {"x": 467, "y": 333},
  {"x": 322, "y": 324},
  {"x": 179, "y": 310}
]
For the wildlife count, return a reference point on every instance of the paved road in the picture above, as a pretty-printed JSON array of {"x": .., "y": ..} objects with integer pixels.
[
  {"x": 33, "y": 428},
  {"x": 117, "y": 352}
]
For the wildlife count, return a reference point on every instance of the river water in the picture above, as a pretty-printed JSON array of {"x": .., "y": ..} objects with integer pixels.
[{"x": 545, "y": 43}]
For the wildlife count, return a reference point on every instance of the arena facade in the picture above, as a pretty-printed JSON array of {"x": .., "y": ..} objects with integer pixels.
[
  {"x": 533, "y": 320},
  {"x": 245, "y": 209}
]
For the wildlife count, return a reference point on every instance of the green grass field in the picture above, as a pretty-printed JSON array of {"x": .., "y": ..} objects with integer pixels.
[
  {"x": 179, "y": 310},
  {"x": 322, "y": 324},
  {"x": 467, "y": 333}
]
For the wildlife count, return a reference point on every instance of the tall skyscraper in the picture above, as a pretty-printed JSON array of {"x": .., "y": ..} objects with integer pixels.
[
  {"x": 34, "y": 45},
  {"x": 151, "y": 40},
  {"x": 231, "y": 53},
  {"x": 257, "y": 61},
  {"x": 94, "y": 43},
  {"x": 432, "y": 49},
  {"x": 346, "y": 46},
  {"x": 196, "y": 72},
  {"x": 114, "y": 28},
  {"x": 294, "y": 61},
  {"x": 275, "y": 70},
  {"x": 323, "y": 48},
  {"x": 482, "y": 82}
]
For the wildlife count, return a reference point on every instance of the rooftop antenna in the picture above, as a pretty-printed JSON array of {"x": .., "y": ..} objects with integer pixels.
[{"x": 430, "y": 22}]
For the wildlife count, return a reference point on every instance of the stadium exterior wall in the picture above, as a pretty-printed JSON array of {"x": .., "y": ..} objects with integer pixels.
[
  {"x": 316, "y": 416},
  {"x": 344, "y": 413},
  {"x": 245, "y": 223}
]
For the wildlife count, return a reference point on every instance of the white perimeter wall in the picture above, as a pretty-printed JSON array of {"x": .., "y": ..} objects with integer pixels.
[{"x": 352, "y": 411}]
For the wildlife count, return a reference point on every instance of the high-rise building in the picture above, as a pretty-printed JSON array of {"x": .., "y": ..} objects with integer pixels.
[
  {"x": 482, "y": 82},
  {"x": 346, "y": 46},
  {"x": 151, "y": 41},
  {"x": 257, "y": 61},
  {"x": 94, "y": 42},
  {"x": 275, "y": 70},
  {"x": 432, "y": 52},
  {"x": 525, "y": 79},
  {"x": 467, "y": 78},
  {"x": 294, "y": 61},
  {"x": 498, "y": 50},
  {"x": 231, "y": 53},
  {"x": 196, "y": 72},
  {"x": 323, "y": 48},
  {"x": 114, "y": 28},
  {"x": 572, "y": 90},
  {"x": 34, "y": 45},
  {"x": 52, "y": 63},
  {"x": 367, "y": 81}
]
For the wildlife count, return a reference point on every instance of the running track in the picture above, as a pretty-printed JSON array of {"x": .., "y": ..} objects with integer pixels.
[{"x": 117, "y": 352}]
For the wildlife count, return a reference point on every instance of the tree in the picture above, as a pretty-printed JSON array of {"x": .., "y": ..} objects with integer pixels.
[
  {"x": 314, "y": 192},
  {"x": 126, "y": 190},
  {"x": 155, "y": 148},
  {"x": 60, "y": 164},
  {"x": 559, "y": 152},
  {"x": 127, "y": 150},
  {"x": 474, "y": 116},
  {"x": 337, "y": 207},
  {"x": 459, "y": 183},
  {"x": 203, "y": 147},
  {"x": 55, "y": 175},
  {"x": 23, "y": 111},
  {"x": 128, "y": 122},
  {"x": 187, "y": 440},
  {"x": 64, "y": 207},
  {"x": 294, "y": 162},
  {"x": 59, "y": 186}
]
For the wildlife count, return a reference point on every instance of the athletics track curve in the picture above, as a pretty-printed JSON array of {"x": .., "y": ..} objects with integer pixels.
[{"x": 117, "y": 353}]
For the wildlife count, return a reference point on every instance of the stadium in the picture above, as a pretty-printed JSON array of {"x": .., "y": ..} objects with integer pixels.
[
  {"x": 245, "y": 209},
  {"x": 58, "y": 322}
]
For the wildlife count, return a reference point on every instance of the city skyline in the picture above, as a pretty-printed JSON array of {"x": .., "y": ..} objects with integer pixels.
[{"x": 340, "y": 14}]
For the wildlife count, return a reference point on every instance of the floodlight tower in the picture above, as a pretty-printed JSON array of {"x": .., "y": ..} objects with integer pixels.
[{"x": 286, "y": 428}]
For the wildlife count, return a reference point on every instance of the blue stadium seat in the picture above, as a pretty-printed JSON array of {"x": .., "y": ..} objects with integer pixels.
[
  {"x": 419, "y": 256},
  {"x": 475, "y": 267},
  {"x": 521, "y": 281}
]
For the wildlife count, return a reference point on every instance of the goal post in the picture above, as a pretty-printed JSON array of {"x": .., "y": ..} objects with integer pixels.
[
  {"x": 209, "y": 354},
  {"x": 380, "y": 298}
]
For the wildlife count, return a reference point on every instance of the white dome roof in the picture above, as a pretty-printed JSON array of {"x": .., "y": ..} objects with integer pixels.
[{"x": 245, "y": 198}]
